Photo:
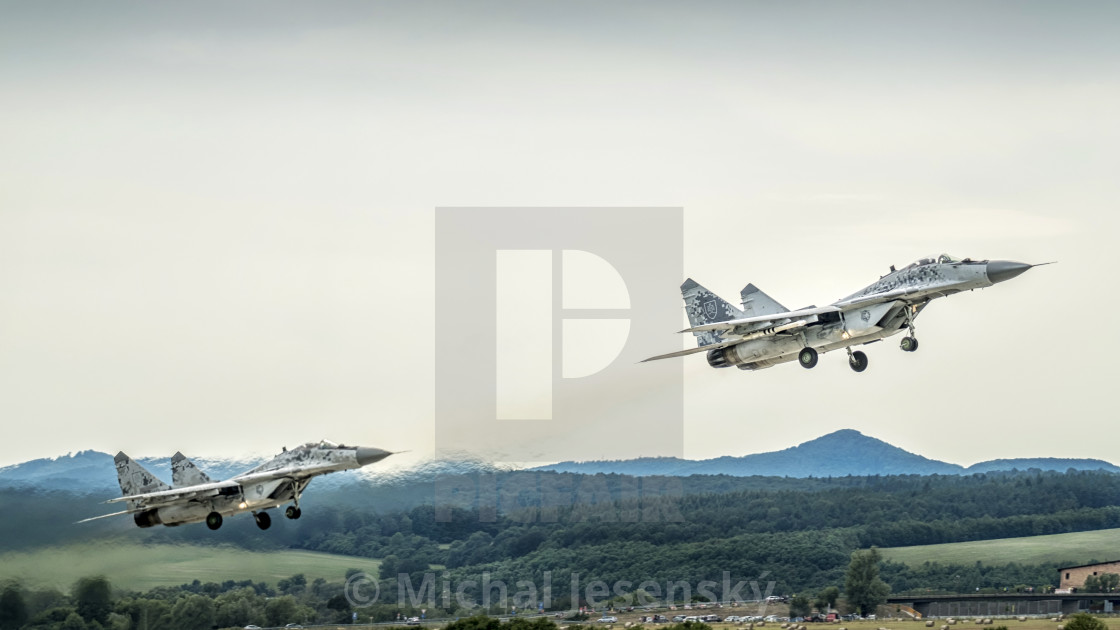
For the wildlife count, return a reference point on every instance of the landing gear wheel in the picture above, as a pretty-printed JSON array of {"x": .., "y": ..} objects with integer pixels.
[
  {"x": 909, "y": 344},
  {"x": 807, "y": 358},
  {"x": 213, "y": 520},
  {"x": 264, "y": 521},
  {"x": 293, "y": 512},
  {"x": 858, "y": 361}
]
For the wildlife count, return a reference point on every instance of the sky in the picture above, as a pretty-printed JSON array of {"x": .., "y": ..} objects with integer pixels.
[{"x": 217, "y": 220}]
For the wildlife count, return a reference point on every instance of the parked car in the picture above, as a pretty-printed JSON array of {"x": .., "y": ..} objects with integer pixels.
[
  {"x": 678, "y": 619},
  {"x": 606, "y": 619}
]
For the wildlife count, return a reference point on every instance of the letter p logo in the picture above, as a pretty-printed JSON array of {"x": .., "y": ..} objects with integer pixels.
[{"x": 542, "y": 316}]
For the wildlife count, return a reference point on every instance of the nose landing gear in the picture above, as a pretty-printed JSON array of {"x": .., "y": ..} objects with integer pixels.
[{"x": 910, "y": 341}]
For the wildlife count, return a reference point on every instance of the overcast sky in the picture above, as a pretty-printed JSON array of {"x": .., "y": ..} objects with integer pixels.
[{"x": 216, "y": 219}]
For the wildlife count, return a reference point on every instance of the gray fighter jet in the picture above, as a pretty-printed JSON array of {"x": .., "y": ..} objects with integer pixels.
[
  {"x": 764, "y": 333},
  {"x": 194, "y": 497}
]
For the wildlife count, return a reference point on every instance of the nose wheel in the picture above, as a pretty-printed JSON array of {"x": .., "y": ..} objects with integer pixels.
[
  {"x": 910, "y": 341},
  {"x": 293, "y": 512}
]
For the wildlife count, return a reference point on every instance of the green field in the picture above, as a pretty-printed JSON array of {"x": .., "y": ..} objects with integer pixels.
[
  {"x": 1075, "y": 548},
  {"x": 141, "y": 567}
]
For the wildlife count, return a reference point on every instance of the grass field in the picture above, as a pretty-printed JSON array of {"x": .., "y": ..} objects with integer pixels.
[
  {"x": 142, "y": 567},
  {"x": 1077, "y": 548}
]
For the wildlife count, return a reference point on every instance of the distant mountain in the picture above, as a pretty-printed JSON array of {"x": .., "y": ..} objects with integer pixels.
[
  {"x": 844, "y": 452},
  {"x": 93, "y": 472},
  {"x": 1041, "y": 463}
]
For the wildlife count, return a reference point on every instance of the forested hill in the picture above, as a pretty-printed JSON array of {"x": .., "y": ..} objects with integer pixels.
[
  {"x": 615, "y": 527},
  {"x": 844, "y": 452}
]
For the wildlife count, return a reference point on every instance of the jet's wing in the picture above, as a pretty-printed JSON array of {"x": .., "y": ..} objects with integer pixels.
[
  {"x": 681, "y": 353},
  {"x": 177, "y": 495},
  {"x": 734, "y": 323},
  {"x": 295, "y": 473},
  {"x": 122, "y": 513},
  {"x": 877, "y": 298},
  {"x": 784, "y": 329}
]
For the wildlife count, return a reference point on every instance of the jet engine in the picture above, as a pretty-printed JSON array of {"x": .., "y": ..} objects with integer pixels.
[
  {"x": 147, "y": 518},
  {"x": 719, "y": 359},
  {"x": 755, "y": 350}
]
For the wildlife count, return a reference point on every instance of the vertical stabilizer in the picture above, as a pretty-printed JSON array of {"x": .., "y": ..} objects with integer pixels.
[
  {"x": 755, "y": 302},
  {"x": 704, "y": 307},
  {"x": 134, "y": 478},
  {"x": 184, "y": 473}
]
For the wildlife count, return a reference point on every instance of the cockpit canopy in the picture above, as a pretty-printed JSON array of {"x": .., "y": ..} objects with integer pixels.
[
  {"x": 942, "y": 259},
  {"x": 321, "y": 444}
]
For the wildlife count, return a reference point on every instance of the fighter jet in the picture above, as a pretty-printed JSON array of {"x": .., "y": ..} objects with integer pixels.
[
  {"x": 763, "y": 333},
  {"x": 194, "y": 497}
]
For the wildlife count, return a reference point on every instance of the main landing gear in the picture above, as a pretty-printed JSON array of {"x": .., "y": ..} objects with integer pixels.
[
  {"x": 213, "y": 520},
  {"x": 264, "y": 521},
  {"x": 293, "y": 512},
  {"x": 807, "y": 358},
  {"x": 857, "y": 360}
]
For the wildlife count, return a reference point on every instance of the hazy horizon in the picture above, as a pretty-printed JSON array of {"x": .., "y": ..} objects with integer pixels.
[{"x": 390, "y": 465}]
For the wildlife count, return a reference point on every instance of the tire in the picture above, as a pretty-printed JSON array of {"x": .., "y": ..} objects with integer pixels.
[
  {"x": 909, "y": 344},
  {"x": 264, "y": 521},
  {"x": 858, "y": 362},
  {"x": 807, "y": 358},
  {"x": 293, "y": 512},
  {"x": 213, "y": 520}
]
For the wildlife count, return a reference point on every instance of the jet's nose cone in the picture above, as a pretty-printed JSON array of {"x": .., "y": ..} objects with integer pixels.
[
  {"x": 1000, "y": 270},
  {"x": 367, "y": 455}
]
